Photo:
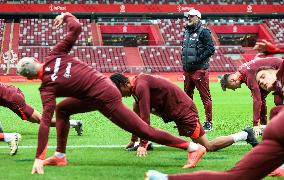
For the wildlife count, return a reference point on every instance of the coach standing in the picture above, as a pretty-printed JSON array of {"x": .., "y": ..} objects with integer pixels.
[{"x": 197, "y": 47}]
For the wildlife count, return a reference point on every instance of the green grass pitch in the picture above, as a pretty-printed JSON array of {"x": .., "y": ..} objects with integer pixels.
[{"x": 232, "y": 112}]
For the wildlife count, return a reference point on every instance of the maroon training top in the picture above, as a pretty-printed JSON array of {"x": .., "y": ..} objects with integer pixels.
[
  {"x": 279, "y": 48},
  {"x": 168, "y": 100},
  {"x": 66, "y": 76},
  {"x": 6, "y": 95},
  {"x": 248, "y": 71},
  {"x": 158, "y": 93}
]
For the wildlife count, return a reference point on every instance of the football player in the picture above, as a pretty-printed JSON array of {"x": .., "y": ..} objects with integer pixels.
[
  {"x": 12, "y": 139},
  {"x": 246, "y": 75},
  {"x": 86, "y": 90},
  {"x": 256, "y": 164},
  {"x": 13, "y": 98},
  {"x": 157, "y": 95}
]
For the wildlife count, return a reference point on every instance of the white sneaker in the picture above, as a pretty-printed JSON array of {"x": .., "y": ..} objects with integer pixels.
[
  {"x": 155, "y": 175},
  {"x": 13, "y": 144}
]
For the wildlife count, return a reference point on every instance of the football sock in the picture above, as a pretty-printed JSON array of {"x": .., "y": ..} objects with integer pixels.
[
  {"x": 9, "y": 136},
  {"x": 262, "y": 127},
  {"x": 240, "y": 136},
  {"x": 192, "y": 147},
  {"x": 73, "y": 123},
  {"x": 59, "y": 155}
]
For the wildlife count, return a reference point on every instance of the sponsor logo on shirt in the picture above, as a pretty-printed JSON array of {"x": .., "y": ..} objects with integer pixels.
[
  {"x": 56, "y": 69},
  {"x": 67, "y": 71}
]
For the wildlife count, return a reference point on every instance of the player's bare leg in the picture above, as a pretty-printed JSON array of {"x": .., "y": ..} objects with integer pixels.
[
  {"x": 76, "y": 124},
  {"x": 216, "y": 144},
  {"x": 225, "y": 141}
]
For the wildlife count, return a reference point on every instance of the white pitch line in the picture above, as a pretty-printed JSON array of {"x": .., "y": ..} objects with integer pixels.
[{"x": 96, "y": 146}]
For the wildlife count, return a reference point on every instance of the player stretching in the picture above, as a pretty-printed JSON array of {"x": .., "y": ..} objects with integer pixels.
[
  {"x": 12, "y": 139},
  {"x": 157, "y": 95},
  {"x": 246, "y": 74},
  {"x": 13, "y": 98},
  {"x": 87, "y": 90},
  {"x": 256, "y": 164},
  {"x": 262, "y": 159},
  {"x": 271, "y": 79}
]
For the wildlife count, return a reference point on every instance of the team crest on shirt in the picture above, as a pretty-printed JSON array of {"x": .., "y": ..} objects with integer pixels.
[{"x": 195, "y": 35}]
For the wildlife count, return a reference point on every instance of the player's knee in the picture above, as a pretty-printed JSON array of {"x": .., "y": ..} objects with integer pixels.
[{"x": 61, "y": 112}]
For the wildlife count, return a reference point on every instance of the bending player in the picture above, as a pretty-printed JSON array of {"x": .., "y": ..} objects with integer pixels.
[
  {"x": 13, "y": 98},
  {"x": 265, "y": 157},
  {"x": 87, "y": 90},
  {"x": 12, "y": 139},
  {"x": 246, "y": 74},
  {"x": 271, "y": 79},
  {"x": 157, "y": 95},
  {"x": 256, "y": 164}
]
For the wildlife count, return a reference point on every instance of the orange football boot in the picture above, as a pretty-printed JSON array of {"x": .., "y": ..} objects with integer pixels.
[
  {"x": 194, "y": 157},
  {"x": 55, "y": 161},
  {"x": 277, "y": 172}
]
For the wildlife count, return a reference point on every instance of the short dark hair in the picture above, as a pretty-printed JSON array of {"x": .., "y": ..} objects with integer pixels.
[
  {"x": 119, "y": 79},
  {"x": 224, "y": 81},
  {"x": 263, "y": 68}
]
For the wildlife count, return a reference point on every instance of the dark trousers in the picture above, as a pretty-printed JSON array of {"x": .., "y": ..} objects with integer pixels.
[{"x": 200, "y": 80}]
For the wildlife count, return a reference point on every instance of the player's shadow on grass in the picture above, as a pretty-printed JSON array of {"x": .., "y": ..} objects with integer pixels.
[{"x": 24, "y": 160}]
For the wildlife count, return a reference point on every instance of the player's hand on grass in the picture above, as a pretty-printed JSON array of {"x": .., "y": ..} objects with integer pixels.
[
  {"x": 261, "y": 46},
  {"x": 130, "y": 145},
  {"x": 38, "y": 167},
  {"x": 141, "y": 151},
  {"x": 256, "y": 130}
]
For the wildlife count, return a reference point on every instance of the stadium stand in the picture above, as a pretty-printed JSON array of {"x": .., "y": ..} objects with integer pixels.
[
  {"x": 277, "y": 28},
  {"x": 161, "y": 59},
  {"x": 37, "y": 36},
  {"x": 168, "y": 58},
  {"x": 172, "y": 31},
  {"x": 41, "y": 32},
  {"x": 105, "y": 59}
]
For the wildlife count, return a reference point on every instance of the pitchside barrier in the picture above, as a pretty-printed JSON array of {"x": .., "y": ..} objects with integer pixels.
[{"x": 173, "y": 76}]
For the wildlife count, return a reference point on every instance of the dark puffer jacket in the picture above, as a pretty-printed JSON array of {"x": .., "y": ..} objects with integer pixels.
[{"x": 197, "y": 47}]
